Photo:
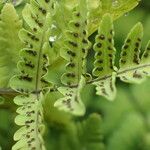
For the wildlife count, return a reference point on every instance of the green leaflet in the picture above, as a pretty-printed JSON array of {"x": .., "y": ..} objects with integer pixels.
[
  {"x": 33, "y": 68},
  {"x": 75, "y": 51},
  {"x": 71, "y": 102},
  {"x": 76, "y": 47},
  {"x": 9, "y": 43},
  {"x": 132, "y": 68},
  {"x": 34, "y": 62},
  {"x": 90, "y": 133},
  {"x": 106, "y": 87},
  {"x": 30, "y": 118},
  {"x": 104, "y": 68}
]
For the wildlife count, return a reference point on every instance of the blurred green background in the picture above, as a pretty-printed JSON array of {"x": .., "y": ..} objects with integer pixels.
[{"x": 124, "y": 123}]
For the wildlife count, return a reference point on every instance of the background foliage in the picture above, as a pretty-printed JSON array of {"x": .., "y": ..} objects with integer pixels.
[{"x": 120, "y": 125}]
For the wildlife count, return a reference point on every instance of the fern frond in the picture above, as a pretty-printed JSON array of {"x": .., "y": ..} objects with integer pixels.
[
  {"x": 10, "y": 43},
  {"x": 133, "y": 69},
  {"x": 33, "y": 68},
  {"x": 104, "y": 59},
  {"x": 30, "y": 117},
  {"x": 75, "y": 51},
  {"x": 90, "y": 133}
]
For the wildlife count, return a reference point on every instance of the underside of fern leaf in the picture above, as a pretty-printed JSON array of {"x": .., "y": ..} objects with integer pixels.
[
  {"x": 60, "y": 30},
  {"x": 104, "y": 59},
  {"x": 29, "y": 136},
  {"x": 71, "y": 102},
  {"x": 134, "y": 69},
  {"x": 33, "y": 67},
  {"x": 75, "y": 51}
]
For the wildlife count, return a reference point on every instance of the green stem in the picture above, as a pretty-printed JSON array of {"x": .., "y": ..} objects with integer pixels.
[{"x": 8, "y": 91}]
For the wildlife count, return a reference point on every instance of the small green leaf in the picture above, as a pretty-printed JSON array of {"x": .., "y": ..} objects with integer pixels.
[
  {"x": 76, "y": 46},
  {"x": 71, "y": 102},
  {"x": 35, "y": 56},
  {"x": 130, "y": 60},
  {"x": 10, "y": 43},
  {"x": 131, "y": 48},
  {"x": 106, "y": 87},
  {"x": 104, "y": 68},
  {"x": 90, "y": 133}
]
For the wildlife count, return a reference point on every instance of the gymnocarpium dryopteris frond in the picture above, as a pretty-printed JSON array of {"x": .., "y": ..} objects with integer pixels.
[
  {"x": 9, "y": 43},
  {"x": 33, "y": 67},
  {"x": 75, "y": 51},
  {"x": 132, "y": 68}
]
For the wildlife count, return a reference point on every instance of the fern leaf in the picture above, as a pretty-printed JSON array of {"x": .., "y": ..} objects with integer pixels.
[
  {"x": 34, "y": 62},
  {"x": 71, "y": 102},
  {"x": 75, "y": 47},
  {"x": 104, "y": 59},
  {"x": 9, "y": 43},
  {"x": 131, "y": 66},
  {"x": 30, "y": 118},
  {"x": 33, "y": 68},
  {"x": 75, "y": 51},
  {"x": 90, "y": 133}
]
